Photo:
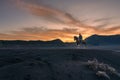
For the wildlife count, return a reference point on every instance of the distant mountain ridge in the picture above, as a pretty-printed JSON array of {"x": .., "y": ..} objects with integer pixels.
[
  {"x": 92, "y": 40},
  {"x": 39, "y": 43},
  {"x": 103, "y": 40}
]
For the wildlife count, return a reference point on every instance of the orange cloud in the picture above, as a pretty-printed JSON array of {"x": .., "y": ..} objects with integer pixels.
[
  {"x": 36, "y": 33},
  {"x": 41, "y": 33}
]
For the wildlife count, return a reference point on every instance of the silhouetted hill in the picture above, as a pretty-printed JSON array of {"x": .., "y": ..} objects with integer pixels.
[
  {"x": 56, "y": 41},
  {"x": 7, "y": 43},
  {"x": 103, "y": 40}
]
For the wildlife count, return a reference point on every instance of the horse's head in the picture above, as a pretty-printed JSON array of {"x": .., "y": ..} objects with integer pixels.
[{"x": 75, "y": 38}]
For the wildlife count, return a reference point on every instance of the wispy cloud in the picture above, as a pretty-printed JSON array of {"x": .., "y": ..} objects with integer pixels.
[
  {"x": 114, "y": 28},
  {"x": 53, "y": 14},
  {"x": 40, "y": 33},
  {"x": 103, "y": 19}
]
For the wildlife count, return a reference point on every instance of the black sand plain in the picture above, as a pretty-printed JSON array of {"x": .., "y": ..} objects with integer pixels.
[{"x": 54, "y": 64}]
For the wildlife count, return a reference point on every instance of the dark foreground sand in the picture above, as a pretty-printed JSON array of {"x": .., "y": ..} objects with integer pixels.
[{"x": 54, "y": 64}]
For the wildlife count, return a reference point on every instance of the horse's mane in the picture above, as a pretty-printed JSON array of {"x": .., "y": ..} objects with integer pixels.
[{"x": 75, "y": 38}]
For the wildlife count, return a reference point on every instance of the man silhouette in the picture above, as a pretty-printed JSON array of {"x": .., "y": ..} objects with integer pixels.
[{"x": 80, "y": 38}]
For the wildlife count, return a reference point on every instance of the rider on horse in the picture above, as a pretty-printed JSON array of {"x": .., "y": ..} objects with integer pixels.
[{"x": 79, "y": 40}]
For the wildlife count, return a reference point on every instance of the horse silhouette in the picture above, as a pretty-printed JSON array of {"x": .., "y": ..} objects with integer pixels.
[{"x": 79, "y": 42}]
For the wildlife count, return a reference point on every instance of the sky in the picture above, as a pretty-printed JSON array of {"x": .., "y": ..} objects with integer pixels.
[{"x": 53, "y": 19}]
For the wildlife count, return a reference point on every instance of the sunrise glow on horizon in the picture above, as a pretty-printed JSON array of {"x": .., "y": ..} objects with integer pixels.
[{"x": 58, "y": 19}]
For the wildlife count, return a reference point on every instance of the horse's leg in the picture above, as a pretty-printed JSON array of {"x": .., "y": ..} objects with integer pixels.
[
  {"x": 77, "y": 43},
  {"x": 80, "y": 43}
]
